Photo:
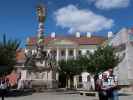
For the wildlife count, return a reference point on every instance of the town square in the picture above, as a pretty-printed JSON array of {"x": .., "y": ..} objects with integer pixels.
[{"x": 66, "y": 50}]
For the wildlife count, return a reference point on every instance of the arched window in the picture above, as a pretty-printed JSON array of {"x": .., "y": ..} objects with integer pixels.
[
  {"x": 80, "y": 78},
  {"x": 79, "y": 52},
  {"x": 70, "y": 52},
  {"x": 62, "y": 52},
  {"x": 88, "y": 78}
]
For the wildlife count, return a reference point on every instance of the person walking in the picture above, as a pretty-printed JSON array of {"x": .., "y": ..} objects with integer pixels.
[
  {"x": 102, "y": 87},
  {"x": 113, "y": 83},
  {"x": 3, "y": 87},
  {"x": 107, "y": 86}
]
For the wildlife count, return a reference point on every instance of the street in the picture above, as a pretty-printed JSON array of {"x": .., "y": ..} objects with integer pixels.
[{"x": 62, "y": 96}]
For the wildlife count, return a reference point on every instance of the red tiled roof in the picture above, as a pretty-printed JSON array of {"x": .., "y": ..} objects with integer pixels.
[
  {"x": 81, "y": 41},
  {"x": 94, "y": 40}
]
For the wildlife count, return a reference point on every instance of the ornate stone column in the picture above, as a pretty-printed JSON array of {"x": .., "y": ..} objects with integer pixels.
[
  {"x": 57, "y": 54},
  {"x": 75, "y": 53},
  {"x": 66, "y": 57},
  {"x": 48, "y": 51}
]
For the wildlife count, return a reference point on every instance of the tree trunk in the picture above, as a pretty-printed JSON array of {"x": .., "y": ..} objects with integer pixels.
[
  {"x": 66, "y": 82},
  {"x": 69, "y": 82},
  {"x": 2, "y": 98}
]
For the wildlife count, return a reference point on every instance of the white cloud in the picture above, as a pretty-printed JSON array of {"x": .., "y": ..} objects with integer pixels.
[
  {"x": 111, "y": 4},
  {"x": 81, "y": 20}
]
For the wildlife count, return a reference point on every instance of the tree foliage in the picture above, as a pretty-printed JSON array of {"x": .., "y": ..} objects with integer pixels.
[
  {"x": 7, "y": 55},
  {"x": 102, "y": 59},
  {"x": 69, "y": 67}
]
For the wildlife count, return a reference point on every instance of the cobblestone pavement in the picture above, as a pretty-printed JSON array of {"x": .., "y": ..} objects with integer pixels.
[{"x": 62, "y": 96}]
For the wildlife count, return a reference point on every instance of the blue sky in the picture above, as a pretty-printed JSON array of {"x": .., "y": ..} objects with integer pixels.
[{"x": 18, "y": 17}]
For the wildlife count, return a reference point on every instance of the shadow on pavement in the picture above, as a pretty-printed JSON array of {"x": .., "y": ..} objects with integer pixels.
[
  {"x": 124, "y": 94},
  {"x": 17, "y": 93}
]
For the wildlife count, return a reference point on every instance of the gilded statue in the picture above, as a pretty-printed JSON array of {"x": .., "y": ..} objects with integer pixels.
[{"x": 41, "y": 12}]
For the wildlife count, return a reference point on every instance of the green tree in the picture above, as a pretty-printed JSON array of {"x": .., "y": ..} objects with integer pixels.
[
  {"x": 68, "y": 69},
  {"x": 102, "y": 59},
  {"x": 83, "y": 62},
  {"x": 7, "y": 55}
]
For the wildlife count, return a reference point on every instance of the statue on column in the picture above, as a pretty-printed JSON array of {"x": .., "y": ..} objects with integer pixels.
[{"x": 41, "y": 14}]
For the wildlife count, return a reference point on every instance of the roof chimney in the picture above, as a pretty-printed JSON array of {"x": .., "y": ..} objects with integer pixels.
[
  {"x": 110, "y": 34},
  {"x": 53, "y": 35},
  {"x": 88, "y": 35},
  {"x": 77, "y": 34}
]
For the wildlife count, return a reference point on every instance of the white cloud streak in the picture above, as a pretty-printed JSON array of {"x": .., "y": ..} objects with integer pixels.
[
  {"x": 111, "y": 4},
  {"x": 81, "y": 20}
]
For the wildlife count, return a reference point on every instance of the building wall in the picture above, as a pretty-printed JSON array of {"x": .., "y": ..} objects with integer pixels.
[
  {"x": 62, "y": 52},
  {"x": 59, "y": 49},
  {"x": 124, "y": 69}
]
